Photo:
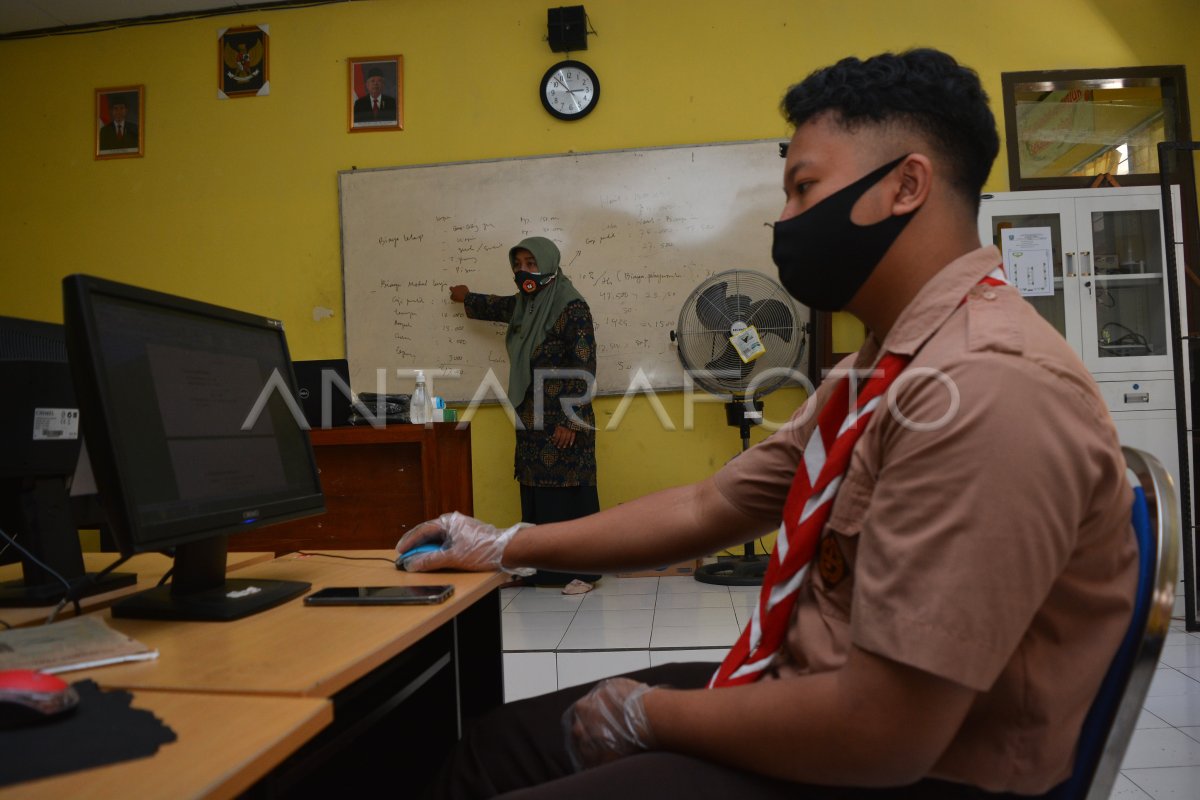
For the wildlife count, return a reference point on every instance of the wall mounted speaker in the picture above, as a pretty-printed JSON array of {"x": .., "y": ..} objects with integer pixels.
[{"x": 567, "y": 28}]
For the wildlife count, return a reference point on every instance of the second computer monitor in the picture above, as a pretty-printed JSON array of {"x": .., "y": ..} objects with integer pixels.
[{"x": 192, "y": 434}]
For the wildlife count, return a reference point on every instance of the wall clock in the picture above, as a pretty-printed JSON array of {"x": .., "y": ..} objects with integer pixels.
[{"x": 570, "y": 90}]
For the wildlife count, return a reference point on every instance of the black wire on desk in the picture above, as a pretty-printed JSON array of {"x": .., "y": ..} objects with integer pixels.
[
  {"x": 7, "y": 545},
  {"x": 169, "y": 553},
  {"x": 74, "y": 593},
  {"x": 12, "y": 541},
  {"x": 61, "y": 605},
  {"x": 348, "y": 558}
]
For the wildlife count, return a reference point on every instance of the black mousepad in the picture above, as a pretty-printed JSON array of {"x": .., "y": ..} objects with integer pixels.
[{"x": 102, "y": 729}]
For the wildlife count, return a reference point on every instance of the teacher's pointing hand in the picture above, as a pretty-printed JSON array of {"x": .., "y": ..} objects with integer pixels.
[{"x": 458, "y": 294}]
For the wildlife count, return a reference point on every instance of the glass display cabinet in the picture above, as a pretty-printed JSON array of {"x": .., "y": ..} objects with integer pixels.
[{"x": 1093, "y": 263}]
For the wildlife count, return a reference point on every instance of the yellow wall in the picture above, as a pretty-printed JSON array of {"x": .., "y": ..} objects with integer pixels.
[{"x": 235, "y": 201}]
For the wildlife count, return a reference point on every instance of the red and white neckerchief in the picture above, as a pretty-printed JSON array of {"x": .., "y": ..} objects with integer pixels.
[{"x": 809, "y": 501}]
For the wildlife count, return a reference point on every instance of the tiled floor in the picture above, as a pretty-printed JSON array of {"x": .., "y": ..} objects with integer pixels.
[{"x": 553, "y": 641}]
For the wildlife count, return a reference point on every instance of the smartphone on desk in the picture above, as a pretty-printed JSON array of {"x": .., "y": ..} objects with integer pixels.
[{"x": 379, "y": 595}]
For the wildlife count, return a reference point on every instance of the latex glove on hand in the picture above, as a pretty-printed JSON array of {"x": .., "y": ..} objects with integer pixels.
[
  {"x": 466, "y": 544},
  {"x": 607, "y": 723}
]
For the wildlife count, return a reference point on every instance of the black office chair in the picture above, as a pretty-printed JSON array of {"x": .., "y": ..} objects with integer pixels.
[{"x": 1110, "y": 721}]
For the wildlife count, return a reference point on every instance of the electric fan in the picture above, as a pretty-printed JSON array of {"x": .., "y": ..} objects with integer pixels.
[{"x": 739, "y": 334}]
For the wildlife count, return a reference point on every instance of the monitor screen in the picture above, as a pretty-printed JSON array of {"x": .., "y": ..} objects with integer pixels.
[{"x": 192, "y": 425}]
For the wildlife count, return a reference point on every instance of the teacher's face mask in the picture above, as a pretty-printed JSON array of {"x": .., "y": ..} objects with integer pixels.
[
  {"x": 823, "y": 257},
  {"x": 531, "y": 282}
]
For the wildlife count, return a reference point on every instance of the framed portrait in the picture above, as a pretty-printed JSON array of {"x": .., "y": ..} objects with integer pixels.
[
  {"x": 376, "y": 94},
  {"x": 120, "y": 122},
  {"x": 243, "y": 60}
]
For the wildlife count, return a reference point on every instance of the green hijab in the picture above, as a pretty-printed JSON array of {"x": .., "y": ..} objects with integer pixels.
[{"x": 535, "y": 314}]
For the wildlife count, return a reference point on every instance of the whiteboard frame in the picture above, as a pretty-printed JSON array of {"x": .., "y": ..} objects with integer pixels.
[{"x": 805, "y": 355}]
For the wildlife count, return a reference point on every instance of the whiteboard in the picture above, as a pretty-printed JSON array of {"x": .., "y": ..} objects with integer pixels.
[{"x": 638, "y": 231}]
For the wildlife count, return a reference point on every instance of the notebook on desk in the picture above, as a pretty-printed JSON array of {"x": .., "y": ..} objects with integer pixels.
[{"x": 311, "y": 385}]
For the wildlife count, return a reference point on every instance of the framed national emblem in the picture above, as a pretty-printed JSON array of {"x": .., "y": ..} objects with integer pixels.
[{"x": 243, "y": 56}]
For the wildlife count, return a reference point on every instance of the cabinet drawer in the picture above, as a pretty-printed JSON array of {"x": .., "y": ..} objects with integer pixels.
[{"x": 1138, "y": 395}]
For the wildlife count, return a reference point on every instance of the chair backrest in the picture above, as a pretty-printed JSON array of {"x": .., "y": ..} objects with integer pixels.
[{"x": 1114, "y": 713}]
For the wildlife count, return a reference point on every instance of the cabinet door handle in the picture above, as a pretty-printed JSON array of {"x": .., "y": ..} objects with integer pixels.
[
  {"x": 1070, "y": 261},
  {"x": 1085, "y": 262}
]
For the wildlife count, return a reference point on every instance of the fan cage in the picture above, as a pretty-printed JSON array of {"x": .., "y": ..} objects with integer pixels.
[{"x": 724, "y": 304}]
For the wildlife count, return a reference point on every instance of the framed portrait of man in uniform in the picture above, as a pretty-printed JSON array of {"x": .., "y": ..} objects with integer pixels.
[
  {"x": 376, "y": 94},
  {"x": 120, "y": 122}
]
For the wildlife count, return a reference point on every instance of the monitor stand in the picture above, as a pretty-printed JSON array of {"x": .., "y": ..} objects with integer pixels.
[
  {"x": 200, "y": 591},
  {"x": 26, "y": 593},
  {"x": 38, "y": 511}
]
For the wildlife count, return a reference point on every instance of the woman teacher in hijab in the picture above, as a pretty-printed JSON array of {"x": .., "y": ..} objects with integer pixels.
[{"x": 549, "y": 328}]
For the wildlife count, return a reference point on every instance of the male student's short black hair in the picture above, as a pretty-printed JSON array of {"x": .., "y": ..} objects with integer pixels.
[{"x": 925, "y": 90}]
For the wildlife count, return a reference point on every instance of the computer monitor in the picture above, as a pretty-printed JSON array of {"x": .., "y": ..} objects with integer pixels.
[
  {"x": 193, "y": 435},
  {"x": 39, "y": 450}
]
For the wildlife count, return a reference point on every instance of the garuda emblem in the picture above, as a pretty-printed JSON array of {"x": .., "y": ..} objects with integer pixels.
[{"x": 243, "y": 63}]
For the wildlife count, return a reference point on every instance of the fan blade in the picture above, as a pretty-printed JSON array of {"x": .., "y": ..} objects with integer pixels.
[
  {"x": 725, "y": 364},
  {"x": 718, "y": 310},
  {"x": 771, "y": 313},
  {"x": 738, "y": 307},
  {"x": 710, "y": 308},
  {"x": 746, "y": 368}
]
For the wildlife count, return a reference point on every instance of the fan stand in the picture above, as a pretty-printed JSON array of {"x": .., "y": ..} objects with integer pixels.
[{"x": 747, "y": 569}]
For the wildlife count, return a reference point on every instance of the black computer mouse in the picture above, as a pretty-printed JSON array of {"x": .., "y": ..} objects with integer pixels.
[{"x": 28, "y": 697}]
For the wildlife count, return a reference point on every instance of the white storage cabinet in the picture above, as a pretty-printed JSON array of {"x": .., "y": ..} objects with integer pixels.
[{"x": 1108, "y": 253}]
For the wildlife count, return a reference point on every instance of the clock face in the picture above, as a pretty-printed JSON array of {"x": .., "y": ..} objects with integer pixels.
[{"x": 570, "y": 90}]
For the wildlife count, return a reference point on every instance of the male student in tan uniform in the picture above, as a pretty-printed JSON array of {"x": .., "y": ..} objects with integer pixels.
[{"x": 969, "y": 536}]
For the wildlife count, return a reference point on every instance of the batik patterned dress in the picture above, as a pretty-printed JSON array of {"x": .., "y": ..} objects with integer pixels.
[{"x": 570, "y": 344}]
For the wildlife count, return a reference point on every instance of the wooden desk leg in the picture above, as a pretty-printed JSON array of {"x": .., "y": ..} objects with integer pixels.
[{"x": 479, "y": 659}]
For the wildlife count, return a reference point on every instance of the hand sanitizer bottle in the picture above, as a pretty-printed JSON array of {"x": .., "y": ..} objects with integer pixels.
[{"x": 418, "y": 406}]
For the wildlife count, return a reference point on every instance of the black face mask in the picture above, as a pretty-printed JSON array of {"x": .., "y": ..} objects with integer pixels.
[
  {"x": 531, "y": 282},
  {"x": 823, "y": 257}
]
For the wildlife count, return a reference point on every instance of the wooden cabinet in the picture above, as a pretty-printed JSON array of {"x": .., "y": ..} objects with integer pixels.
[{"x": 378, "y": 483}]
